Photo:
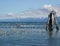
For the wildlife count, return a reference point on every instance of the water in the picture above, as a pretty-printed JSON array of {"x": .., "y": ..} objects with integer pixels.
[{"x": 27, "y": 34}]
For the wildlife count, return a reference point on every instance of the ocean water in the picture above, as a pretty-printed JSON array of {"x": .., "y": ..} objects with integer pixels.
[{"x": 27, "y": 34}]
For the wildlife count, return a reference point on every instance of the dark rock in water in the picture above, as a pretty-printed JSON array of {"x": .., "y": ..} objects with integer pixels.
[{"x": 57, "y": 27}]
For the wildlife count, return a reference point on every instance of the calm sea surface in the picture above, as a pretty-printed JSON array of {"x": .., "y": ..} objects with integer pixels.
[{"x": 27, "y": 34}]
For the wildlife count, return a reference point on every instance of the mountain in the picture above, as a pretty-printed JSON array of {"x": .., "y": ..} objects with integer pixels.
[
  {"x": 27, "y": 20},
  {"x": 24, "y": 20}
]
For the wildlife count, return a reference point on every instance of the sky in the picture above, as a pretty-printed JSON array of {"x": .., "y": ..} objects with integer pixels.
[{"x": 18, "y": 6}]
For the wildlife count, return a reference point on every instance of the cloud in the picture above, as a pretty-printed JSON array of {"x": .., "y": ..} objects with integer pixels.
[
  {"x": 41, "y": 12},
  {"x": 51, "y": 7},
  {"x": 36, "y": 13}
]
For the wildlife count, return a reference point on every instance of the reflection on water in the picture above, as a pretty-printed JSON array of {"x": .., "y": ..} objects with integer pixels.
[
  {"x": 53, "y": 39},
  {"x": 52, "y": 33},
  {"x": 27, "y": 35}
]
